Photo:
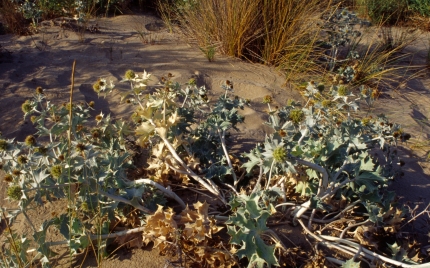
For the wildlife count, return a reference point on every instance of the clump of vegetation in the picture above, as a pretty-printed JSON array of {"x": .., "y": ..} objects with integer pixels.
[
  {"x": 209, "y": 52},
  {"x": 318, "y": 160},
  {"x": 386, "y": 11},
  {"x": 13, "y": 18},
  {"x": 257, "y": 30}
]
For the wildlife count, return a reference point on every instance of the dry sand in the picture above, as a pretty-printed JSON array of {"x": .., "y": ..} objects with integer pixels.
[{"x": 45, "y": 59}]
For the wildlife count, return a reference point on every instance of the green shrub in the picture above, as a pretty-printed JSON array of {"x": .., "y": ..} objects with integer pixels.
[
  {"x": 421, "y": 7},
  {"x": 386, "y": 12}
]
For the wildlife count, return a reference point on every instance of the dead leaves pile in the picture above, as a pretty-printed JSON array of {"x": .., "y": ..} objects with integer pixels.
[{"x": 191, "y": 235}]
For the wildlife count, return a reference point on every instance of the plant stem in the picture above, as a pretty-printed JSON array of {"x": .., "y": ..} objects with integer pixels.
[
  {"x": 224, "y": 148},
  {"x": 191, "y": 173},
  {"x": 186, "y": 97},
  {"x": 231, "y": 187},
  {"x": 69, "y": 145},
  {"x": 311, "y": 218},
  {"x": 322, "y": 186},
  {"x": 368, "y": 254},
  {"x": 29, "y": 221},
  {"x": 324, "y": 181},
  {"x": 270, "y": 174},
  {"x": 161, "y": 188},
  {"x": 260, "y": 176},
  {"x": 285, "y": 204},
  {"x": 50, "y": 187},
  {"x": 123, "y": 200},
  {"x": 344, "y": 210},
  {"x": 303, "y": 136},
  {"x": 12, "y": 240},
  {"x": 335, "y": 261},
  {"x": 416, "y": 216},
  {"x": 333, "y": 190}
]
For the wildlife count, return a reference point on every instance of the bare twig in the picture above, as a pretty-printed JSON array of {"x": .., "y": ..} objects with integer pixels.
[{"x": 426, "y": 210}]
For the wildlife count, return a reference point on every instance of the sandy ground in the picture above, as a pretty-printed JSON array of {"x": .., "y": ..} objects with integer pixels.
[{"x": 139, "y": 42}]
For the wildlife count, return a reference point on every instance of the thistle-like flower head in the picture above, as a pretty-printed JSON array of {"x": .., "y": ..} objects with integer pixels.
[{"x": 99, "y": 117}]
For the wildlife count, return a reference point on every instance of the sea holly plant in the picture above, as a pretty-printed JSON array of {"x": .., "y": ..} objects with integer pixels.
[
  {"x": 183, "y": 131},
  {"x": 247, "y": 228},
  {"x": 87, "y": 168},
  {"x": 340, "y": 32},
  {"x": 320, "y": 161},
  {"x": 334, "y": 146},
  {"x": 348, "y": 162}
]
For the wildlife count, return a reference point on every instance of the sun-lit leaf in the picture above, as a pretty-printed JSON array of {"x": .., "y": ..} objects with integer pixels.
[{"x": 351, "y": 264}]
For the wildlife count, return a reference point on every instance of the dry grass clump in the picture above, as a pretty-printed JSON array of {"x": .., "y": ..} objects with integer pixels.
[
  {"x": 380, "y": 64},
  {"x": 275, "y": 32}
]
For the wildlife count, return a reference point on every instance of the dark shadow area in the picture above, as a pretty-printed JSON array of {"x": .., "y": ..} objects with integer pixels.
[
  {"x": 413, "y": 187},
  {"x": 99, "y": 102}
]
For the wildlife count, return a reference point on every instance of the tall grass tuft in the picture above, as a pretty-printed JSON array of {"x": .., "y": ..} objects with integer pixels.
[
  {"x": 288, "y": 27},
  {"x": 273, "y": 32},
  {"x": 232, "y": 24}
]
